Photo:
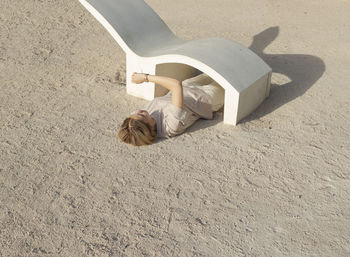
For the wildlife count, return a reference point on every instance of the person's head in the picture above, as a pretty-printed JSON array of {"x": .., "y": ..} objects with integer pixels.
[{"x": 138, "y": 129}]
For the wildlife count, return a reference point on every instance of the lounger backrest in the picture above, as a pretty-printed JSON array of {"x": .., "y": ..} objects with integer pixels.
[{"x": 136, "y": 23}]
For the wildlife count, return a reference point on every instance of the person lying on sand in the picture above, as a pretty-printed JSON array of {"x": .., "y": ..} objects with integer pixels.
[{"x": 171, "y": 114}]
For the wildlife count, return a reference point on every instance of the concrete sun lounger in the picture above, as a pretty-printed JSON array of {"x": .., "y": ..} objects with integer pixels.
[{"x": 151, "y": 47}]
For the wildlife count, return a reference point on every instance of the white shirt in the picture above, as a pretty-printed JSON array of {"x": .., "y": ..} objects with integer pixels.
[{"x": 172, "y": 120}]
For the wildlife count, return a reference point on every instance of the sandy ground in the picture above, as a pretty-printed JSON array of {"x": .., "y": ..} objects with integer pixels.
[{"x": 277, "y": 184}]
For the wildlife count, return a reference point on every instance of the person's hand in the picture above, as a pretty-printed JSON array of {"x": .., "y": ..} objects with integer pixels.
[{"x": 138, "y": 78}]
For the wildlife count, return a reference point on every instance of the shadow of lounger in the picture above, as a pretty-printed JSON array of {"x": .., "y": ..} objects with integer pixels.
[{"x": 303, "y": 71}]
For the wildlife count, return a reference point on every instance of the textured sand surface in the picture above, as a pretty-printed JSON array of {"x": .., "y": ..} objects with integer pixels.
[{"x": 277, "y": 184}]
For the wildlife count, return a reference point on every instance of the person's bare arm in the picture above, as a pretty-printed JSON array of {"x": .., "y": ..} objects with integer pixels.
[{"x": 171, "y": 84}]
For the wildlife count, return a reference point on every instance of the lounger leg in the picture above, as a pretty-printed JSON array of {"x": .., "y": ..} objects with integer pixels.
[
  {"x": 268, "y": 87},
  {"x": 144, "y": 90},
  {"x": 231, "y": 107}
]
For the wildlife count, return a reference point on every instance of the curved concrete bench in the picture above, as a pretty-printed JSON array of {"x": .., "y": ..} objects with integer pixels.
[{"x": 151, "y": 47}]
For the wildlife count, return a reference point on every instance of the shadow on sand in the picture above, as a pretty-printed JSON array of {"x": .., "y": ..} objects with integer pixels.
[{"x": 302, "y": 70}]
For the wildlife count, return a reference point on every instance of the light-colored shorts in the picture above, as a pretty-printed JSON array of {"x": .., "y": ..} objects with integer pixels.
[{"x": 211, "y": 87}]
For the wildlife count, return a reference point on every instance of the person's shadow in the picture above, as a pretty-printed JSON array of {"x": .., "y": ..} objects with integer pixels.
[{"x": 302, "y": 71}]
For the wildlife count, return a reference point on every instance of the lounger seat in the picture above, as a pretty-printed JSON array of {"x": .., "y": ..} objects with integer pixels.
[{"x": 151, "y": 47}]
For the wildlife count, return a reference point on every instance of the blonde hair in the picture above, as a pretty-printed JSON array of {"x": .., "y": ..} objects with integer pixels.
[{"x": 136, "y": 132}]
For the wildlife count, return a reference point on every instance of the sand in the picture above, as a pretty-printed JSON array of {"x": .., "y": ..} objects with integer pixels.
[{"x": 277, "y": 184}]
